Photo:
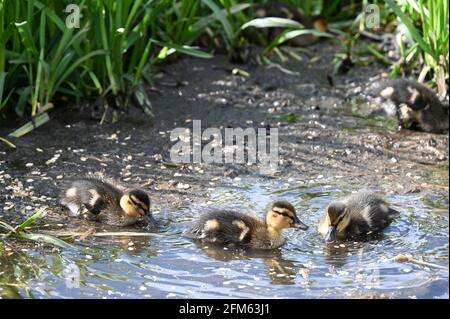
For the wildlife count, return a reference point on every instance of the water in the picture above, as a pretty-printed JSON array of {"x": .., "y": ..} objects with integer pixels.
[{"x": 169, "y": 266}]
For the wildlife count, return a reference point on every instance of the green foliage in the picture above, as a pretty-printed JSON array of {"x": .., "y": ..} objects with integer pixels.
[
  {"x": 21, "y": 232},
  {"x": 41, "y": 57},
  {"x": 424, "y": 25},
  {"x": 43, "y": 62}
]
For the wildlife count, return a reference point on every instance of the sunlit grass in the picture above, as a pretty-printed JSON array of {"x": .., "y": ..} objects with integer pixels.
[
  {"x": 113, "y": 53},
  {"x": 426, "y": 37},
  {"x": 21, "y": 232}
]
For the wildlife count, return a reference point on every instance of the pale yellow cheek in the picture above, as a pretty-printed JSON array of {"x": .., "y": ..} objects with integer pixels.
[
  {"x": 387, "y": 92},
  {"x": 127, "y": 208},
  {"x": 71, "y": 192},
  {"x": 281, "y": 223},
  {"x": 211, "y": 224},
  {"x": 287, "y": 223}
]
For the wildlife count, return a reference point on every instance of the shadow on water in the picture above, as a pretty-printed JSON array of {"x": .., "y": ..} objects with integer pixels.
[{"x": 166, "y": 265}]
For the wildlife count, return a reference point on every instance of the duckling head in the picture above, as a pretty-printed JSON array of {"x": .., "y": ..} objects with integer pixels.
[
  {"x": 337, "y": 220},
  {"x": 282, "y": 214},
  {"x": 136, "y": 203}
]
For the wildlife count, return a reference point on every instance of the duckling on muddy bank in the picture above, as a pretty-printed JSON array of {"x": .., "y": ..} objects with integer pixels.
[
  {"x": 416, "y": 106},
  {"x": 102, "y": 201}
]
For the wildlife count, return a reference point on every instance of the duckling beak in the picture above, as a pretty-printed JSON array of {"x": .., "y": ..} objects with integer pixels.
[
  {"x": 331, "y": 234},
  {"x": 149, "y": 219},
  {"x": 299, "y": 224}
]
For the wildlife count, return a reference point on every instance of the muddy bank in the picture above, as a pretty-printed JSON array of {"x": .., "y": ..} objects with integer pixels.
[{"x": 330, "y": 138}]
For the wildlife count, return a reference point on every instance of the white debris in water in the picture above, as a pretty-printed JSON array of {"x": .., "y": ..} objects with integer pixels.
[
  {"x": 171, "y": 295},
  {"x": 183, "y": 186},
  {"x": 142, "y": 288},
  {"x": 407, "y": 270},
  {"x": 29, "y": 165},
  {"x": 304, "y": 273},
  {"x": 88, "y": 257}
]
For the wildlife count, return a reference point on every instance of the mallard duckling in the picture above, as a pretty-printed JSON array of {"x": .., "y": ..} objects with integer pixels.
[
  {"x": 356, "y": 216},
  {"x": 229, "y": 227},
  {"x": 98, "y": 200},
  {"x": 417, "y": 107}
]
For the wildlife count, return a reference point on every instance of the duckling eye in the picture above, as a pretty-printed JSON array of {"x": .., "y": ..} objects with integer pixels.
[
  {"x": 287, "y": 215},
  {"x": 339, "y": 219}
]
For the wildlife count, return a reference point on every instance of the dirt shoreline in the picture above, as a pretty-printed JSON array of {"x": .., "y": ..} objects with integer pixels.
[{"x": 329, "y": 142}]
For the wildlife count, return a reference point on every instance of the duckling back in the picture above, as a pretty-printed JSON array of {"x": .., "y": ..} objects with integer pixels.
[
  {"x": 368, "y": 212},
  {"x": 89, "y": 195},
  {"x": 226, "y": 227},
  {"x": 96, "y": 200},
  {"x": 424, "y": 109}
]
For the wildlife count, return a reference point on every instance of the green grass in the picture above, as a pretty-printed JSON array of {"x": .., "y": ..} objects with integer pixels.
[
  {"x": 21, "y": 232},
  {"x": 45, "y": 64},
  {"x": 425, "y": 35},
  {"x": 112, "y": 52}
]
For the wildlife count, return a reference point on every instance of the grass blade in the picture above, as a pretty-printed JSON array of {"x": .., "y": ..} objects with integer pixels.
[
  {"x": 272, "y": 22},
  {"x": 222, "y": 18},
  {"x": 7, "y": 143},
  {"x": 46, "y": 239},
  {"x": 37, "y": 121},
  {"x": 186, "y": 49},
  {"x": 29, "y": 221}
]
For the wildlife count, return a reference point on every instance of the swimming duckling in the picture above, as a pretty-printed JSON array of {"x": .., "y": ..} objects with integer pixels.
[
  {"x": 229, "y": 227},
  {"x": 98, "y": 200},
  {"x": 417, "y": 107},
  {"x": 357, "y": 215}
]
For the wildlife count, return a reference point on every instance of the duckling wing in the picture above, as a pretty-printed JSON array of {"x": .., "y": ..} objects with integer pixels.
[
  {"x": 225, "y": 227},
  {"x": 89, "y": 195},
  {"x": 369, "y": 213}
]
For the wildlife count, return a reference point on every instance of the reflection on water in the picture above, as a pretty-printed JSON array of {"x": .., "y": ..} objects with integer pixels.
[{"x": 169, "y": 266}]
